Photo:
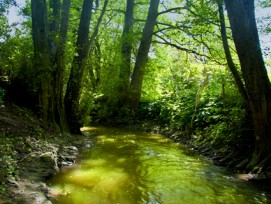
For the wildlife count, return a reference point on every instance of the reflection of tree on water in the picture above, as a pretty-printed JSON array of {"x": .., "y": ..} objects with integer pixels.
[{"x": 120, "y": 156}]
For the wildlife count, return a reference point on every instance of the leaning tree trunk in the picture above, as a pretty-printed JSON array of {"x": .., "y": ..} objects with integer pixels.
[
  {"x": 126, "y": 52},
  {"x": 142, "y": 55},
  {"x": 83, "y": 46},
  {"x": 74, "y": 86},
  {"x": 245, "y": 35},
  {"x": 40, "y": 33},
  {"x": 93, "y": 45}
]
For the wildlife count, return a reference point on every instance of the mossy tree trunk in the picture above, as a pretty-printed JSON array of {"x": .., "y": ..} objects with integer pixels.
[
  {"x": 40, "y": 34},
  {"x": 245, "y": 35},
  {"x": 49, "y": 37}
]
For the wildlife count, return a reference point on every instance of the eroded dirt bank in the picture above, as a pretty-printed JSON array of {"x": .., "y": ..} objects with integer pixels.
[{"x": 30, "y": 154}]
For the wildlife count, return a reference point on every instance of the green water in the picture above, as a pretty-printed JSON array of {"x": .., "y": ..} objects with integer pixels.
[{"x": 125, "y": 167}]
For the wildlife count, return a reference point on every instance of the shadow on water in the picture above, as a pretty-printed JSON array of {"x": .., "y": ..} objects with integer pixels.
[{"x": 133, "y": 167}]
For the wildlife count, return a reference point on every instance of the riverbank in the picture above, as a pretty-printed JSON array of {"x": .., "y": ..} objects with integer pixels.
[
  {"x": 30, "y": 154},
  {"x": 131, "y": 166},
  {"x": 234, "y": 158}
]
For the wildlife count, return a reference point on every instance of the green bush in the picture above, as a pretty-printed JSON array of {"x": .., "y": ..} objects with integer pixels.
[{"x": 8, "y": 163}]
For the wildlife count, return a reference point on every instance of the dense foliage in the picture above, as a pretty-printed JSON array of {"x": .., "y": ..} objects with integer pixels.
[{"x": 187, "y": 85}]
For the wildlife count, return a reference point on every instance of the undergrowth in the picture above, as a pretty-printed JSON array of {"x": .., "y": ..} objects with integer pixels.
[{"x": 218, "y": 125}]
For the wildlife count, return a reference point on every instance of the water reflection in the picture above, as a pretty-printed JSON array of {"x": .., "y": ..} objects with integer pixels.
[{"x": 127, "y": 168}]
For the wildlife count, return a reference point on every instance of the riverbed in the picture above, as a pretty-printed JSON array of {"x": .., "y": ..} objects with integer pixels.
[{"x": 129, "y": 167}]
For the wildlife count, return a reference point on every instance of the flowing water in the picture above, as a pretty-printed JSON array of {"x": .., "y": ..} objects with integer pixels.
[{"x": 127, "y": 167}]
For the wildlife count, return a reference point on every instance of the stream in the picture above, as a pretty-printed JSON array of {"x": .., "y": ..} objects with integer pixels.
[{"x": 127, "y": 167}]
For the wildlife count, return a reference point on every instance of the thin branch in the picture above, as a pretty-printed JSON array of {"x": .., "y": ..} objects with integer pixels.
[
  {"x": 165, "y": 42},
  {"x": 161, "y": 23},
  {"x": 170, "y": 10},
  {"x": 96, "y": 30},
  {"x": 111, "y": 16},
  {"x": 140, "y": 3},
  {"x": 176, "y": 46},
  {"x": 139, "y": 20},
  {"x": 201, "y": 41},
  {"x": 116, "y": 10},
  {"x": 205, "y": 19},
  {"x": 163, "y": 3},
  {"x": 170, "y": 27}
]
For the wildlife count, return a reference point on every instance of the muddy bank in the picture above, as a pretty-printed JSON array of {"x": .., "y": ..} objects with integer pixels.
[
  {"x": 38, "y": 166},
  {"x": 29, "y": 186},
  {"x": 31, "y": 154}
]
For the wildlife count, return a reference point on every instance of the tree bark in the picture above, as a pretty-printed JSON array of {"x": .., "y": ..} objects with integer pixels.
[
  {"x": 73, "y": 92},
  {"x": 95, "y": 72},
  {"x": 93, "y": 45},
  {"x": 239, "y": 83},
  {"x": 245, "y": 35},
  {"x": 40, "y": 34},
  {"x": 142, "y": 55},
  {"x": 59, "y": 108},
  {"x": 54, "y": 23},
  {"x": 126, "y": 52},
  {"x": 97, "y": 27}
]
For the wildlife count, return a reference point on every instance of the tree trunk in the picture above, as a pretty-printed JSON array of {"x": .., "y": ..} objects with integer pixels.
[
  {"x": 72, "y": 96},
  {"x": 54, "y": 23},
  {"x": 126, "y": 52},
  {"x": 95, "y": 72},
  {"x": 245, "y": 35},
  {"x": 231, "y": 65},
  {"x": 142, "y": 55},
  {"x": 59, "y": 108},
  {"x": 40, "y": 33},
  {"x": 93, "y": 45},
  {"x": 97, "y": 27}
]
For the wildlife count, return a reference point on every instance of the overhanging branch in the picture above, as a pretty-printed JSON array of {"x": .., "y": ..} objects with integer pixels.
[
  {"x": 170, "y": 10},
  {"x": 166, "y": 42}
]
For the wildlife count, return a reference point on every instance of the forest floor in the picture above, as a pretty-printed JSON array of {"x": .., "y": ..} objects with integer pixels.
[{"x": 31, "y": 153}]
